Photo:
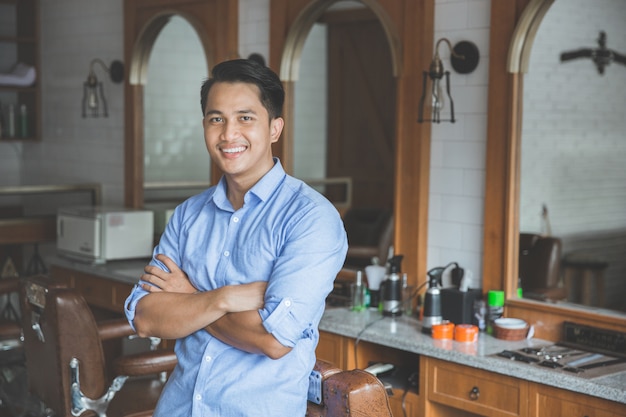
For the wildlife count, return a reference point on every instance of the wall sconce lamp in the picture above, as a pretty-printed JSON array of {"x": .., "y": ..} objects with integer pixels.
[
  {"x": 93, "y": 93},
  {"x": 464, "y": 59}
]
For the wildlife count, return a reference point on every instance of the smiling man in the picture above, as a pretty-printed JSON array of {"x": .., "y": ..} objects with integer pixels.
[{"x": 242, "y": 271}]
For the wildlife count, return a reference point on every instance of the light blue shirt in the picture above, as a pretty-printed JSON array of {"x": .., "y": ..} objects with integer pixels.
[{"x": 287, "y": 234}]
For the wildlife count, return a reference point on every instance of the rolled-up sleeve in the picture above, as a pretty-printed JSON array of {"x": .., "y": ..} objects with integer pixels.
[
  {"x": 303, "y": 275},
  {"x": 281, "y": 323},
  {"x": 130, "y": 305}
]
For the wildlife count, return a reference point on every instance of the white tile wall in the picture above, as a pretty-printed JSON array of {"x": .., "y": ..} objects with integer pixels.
[{"x": 458, "y": 150}]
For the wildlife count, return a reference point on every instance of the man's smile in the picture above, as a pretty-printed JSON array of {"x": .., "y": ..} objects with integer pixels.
[{"x": 234, "y": 150}]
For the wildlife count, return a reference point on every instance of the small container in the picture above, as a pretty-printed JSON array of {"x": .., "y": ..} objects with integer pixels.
[
  {"x": 495, "y": 308},
  {"x": 443, "y": 330},
  {"x": 11, "y": 122},
  {"x": 357, "y": 293},
  {"x": 480, "y": 315},
  {"x": 23, "y": 121},
  {"x": 466, "y": 333},
  {"x": 510, "y": 328}
]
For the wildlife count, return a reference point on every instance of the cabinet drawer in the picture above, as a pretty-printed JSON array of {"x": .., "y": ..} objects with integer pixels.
[
  {"x": 475, "y": 390},
  {"x": 548, "y": 401}
]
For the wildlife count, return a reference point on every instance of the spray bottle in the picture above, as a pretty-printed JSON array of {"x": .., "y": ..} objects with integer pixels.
[
  {"x": 432, "y": 300},
  {"x": 392, "y": 288}
]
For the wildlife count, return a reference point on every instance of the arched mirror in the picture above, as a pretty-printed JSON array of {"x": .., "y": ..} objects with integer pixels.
[
  {"x": 175, "y": 156},
  {"x": 564, "y": 129},
  {"x": 397, "y": 146},
  {"x": 160, "y": 64},
  {"x": 572, "y": 170},
  {"x": 344, "y": 114}
]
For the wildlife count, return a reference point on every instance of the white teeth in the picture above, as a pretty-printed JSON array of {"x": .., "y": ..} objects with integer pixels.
[{"x": 234, "y": 150}]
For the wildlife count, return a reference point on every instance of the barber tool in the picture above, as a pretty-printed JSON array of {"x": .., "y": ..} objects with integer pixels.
[
  {"x": 432, "y": 300},
  {"x": 392, "y": 288}
]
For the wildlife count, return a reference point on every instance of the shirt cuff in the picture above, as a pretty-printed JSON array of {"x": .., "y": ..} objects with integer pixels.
[
  {"x": 281, "y": 323},
  {"x": 131, "y": 304}
]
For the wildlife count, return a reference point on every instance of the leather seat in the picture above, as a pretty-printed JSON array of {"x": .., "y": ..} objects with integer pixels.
[
  {"x": 539, "y": 267},
  {"x": 370, "y": 234},
  {"x": 65, "y": 359},
  {"x": 10, "y": 328},
  {"x": 348, "y": 394}
]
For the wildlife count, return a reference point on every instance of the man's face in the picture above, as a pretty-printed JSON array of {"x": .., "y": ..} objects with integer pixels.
[{"x": 237, "y": 131}]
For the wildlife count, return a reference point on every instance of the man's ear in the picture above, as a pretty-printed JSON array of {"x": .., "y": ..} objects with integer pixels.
[{"x": 276, "y": 128}]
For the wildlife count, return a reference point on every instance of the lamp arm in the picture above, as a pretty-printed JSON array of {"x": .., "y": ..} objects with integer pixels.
[
  {"x": 98, "y": 61},
  {"x": 452, "y": 53}
]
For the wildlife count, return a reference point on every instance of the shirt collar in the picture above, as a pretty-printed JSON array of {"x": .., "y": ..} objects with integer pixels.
[{"x": 263, "y": 189}]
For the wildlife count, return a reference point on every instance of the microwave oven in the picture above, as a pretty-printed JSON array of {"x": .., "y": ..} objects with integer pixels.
[{"x": 99, "y": 234}]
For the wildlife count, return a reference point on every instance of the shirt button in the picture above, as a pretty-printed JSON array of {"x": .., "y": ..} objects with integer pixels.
[
  {"x": 207, "y": 358},
  {"x": 198, "y": 397},
  {"x": 288, "y": 303},
  {"x": 226, "y": 253},
  {"x": 235, "y": 219}
]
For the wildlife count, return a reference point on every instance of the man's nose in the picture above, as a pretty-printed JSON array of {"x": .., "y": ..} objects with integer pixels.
[{"x": 231, "y": 131}]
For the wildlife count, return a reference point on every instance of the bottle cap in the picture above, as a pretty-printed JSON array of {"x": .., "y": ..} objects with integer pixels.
[{"x": 495, "y": 298}]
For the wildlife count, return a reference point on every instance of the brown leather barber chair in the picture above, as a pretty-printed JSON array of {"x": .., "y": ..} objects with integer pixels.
[
  {"x": 10, "y": 329},
  {"x": 338, "y": 393},
  {"x": 539, "y": 267},
  {"x": 65, "y": 360}
]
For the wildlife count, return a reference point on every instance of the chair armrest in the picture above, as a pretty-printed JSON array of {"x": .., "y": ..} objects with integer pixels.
[
  {"x": 9, "y": 285},
  {"x": 146, "y": 363},
  {"x": 114, "y": 329},
  {"x": 357, "y": 393},
  {"x": 326, "y": 369}
]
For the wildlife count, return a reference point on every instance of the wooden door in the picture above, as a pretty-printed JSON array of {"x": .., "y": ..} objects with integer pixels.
[{"x": 361, "y": 108}]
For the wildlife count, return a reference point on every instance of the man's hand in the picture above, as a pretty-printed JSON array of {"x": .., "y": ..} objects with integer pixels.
[{"x": 174, "y": 281}]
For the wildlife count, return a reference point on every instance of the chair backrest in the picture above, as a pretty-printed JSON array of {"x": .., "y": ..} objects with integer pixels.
[
  {"x": 539, "y": 261},
  {"x": 58, "y": 326},
  {"x": 353, "y": 393},
  {"x": 370, "y": 233}
]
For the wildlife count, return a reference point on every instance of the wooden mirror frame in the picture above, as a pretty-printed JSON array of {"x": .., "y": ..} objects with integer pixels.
[
  {"x": 217, "y": 24},
  {"x": 409, "y": 26},
  {"x": 513, "y": 27}
]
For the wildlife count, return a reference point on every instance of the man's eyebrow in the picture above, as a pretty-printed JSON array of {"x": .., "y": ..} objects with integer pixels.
[
  {"x": 212, "y": 112},
  {"x": 218, "y": 113}
]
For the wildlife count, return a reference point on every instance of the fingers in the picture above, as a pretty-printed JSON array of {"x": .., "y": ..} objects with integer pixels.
[
  {"x": 167, "y": 261},
  {"x": 151, "y": 288}
]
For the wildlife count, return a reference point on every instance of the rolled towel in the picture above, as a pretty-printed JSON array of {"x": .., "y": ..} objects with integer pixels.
[{"x": 21, "y": 75}]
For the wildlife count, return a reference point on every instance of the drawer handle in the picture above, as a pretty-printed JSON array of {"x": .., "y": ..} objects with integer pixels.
[{"x": 474, "y": 394}]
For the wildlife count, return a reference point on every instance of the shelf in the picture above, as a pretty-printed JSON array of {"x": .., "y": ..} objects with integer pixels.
[{"x": 20, "y": 43}]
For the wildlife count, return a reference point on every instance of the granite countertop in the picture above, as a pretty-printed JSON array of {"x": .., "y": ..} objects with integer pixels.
[{"x": 404, "y": 333}]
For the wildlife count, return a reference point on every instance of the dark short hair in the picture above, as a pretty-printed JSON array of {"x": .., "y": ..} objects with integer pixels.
[{"x": 272, "y": 94}]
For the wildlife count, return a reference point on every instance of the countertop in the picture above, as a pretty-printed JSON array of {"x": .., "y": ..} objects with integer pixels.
[
  {"x": 404, "y": 333},
  {"x": 125, "y": 271}
]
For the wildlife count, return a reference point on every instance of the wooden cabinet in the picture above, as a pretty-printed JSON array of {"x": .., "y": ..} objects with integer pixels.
[
  {"x": 474, "y": 390},
  {"x": 19, "y": 43},
  {"x": 99, "y": 292},
  {"x": 548, "y": 401}
]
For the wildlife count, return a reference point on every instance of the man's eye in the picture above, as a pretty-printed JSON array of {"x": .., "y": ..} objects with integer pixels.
[
  {"x": 215, "y": 120},
  {"x": 246, "y": 118}
]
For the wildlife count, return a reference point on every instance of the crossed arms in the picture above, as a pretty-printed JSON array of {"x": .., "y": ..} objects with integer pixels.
[{"x": 174, "y": 309}]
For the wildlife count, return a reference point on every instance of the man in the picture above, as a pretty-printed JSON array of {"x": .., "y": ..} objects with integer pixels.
[{"x": 241, "y": 273}]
